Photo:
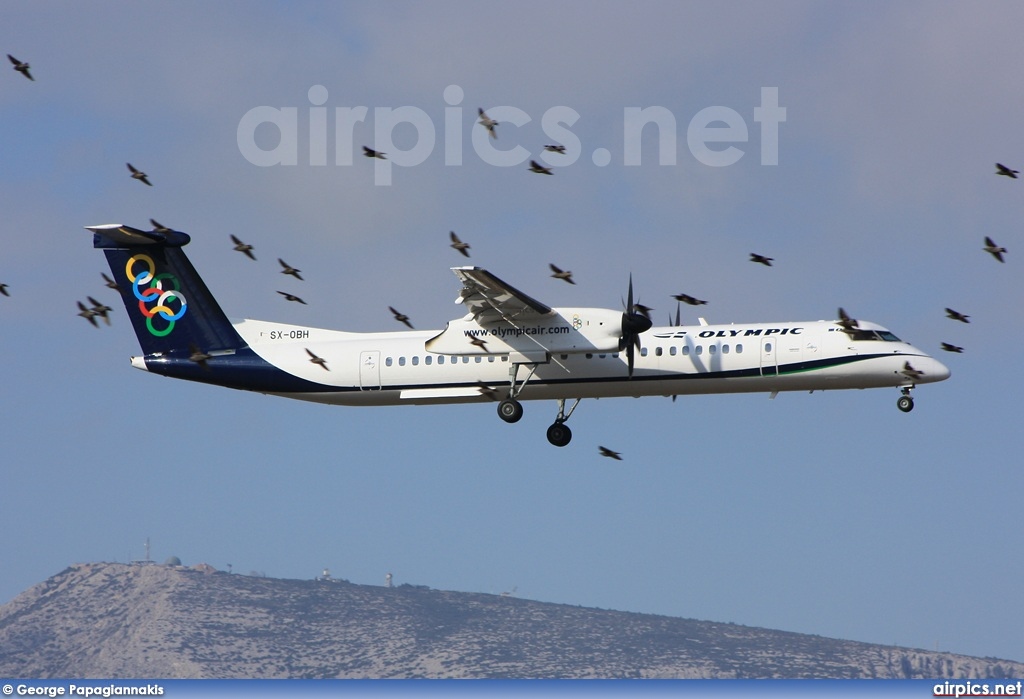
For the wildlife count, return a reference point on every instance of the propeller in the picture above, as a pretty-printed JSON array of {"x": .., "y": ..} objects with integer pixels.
[
  {"x": 636, "y": 320},
  {"x": 675, "y": 324}
]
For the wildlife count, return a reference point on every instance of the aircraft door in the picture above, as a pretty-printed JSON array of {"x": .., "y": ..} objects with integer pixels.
[
  {"x": 369, "y": 370},
  {"x": 769, "y": 365}
]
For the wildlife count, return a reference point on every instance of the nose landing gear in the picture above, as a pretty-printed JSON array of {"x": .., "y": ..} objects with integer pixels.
[{"x": 905, "y": 402}]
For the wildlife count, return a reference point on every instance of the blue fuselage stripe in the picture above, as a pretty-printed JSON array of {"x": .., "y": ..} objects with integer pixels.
[{"x": 245, "y": 370}]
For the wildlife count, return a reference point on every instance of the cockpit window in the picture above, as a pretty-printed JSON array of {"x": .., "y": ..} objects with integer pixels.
[{"x": 859, "y": 335}]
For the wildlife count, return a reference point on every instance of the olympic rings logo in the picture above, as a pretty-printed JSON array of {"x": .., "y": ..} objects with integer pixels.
[
  {"x": 577, "y": 322},
  {"x": 155, "y": 293}
]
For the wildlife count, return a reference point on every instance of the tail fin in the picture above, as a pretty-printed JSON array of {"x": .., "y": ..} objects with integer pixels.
[{"x": 169, "y": 304}]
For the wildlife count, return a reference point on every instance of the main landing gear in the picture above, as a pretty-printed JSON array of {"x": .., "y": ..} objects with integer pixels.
[
  {"x": 559, "y": 433},
  {"x": 511, "y": 410},
  {"x": 905, "y": 402}
]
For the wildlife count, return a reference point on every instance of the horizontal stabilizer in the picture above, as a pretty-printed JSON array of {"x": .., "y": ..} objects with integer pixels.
[{"x": 115, "y": 235}]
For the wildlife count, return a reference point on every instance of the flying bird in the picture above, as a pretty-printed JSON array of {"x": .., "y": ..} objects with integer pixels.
[
  {"x": 643, "y": 310},
  {"x": 995, "y": 250},
  {"x": 559, "y": 274},
  {"x": 952, "y": 348},
  {"x": 458, "y": 244},
  {"x": 910, "y": 372},
  {"x": 319, "y": 361},
  {"x": 488, "y": 123},
  {"x": 957, "y": 315},
  {"x": 88, "y": 314},
  {"x": 551, "y": 148},
  {"x": 486, "y": 391},
  {"x": 401, "y": 317},
  {"x": 288, "y": 269},
  {"x": 243, "y": 248},
  {"x": 20, "y": 67},
  {"x": 198, "y": 356},
  {"x": 138, "y": 174},
  {"x": 293, "y": 297},
  {"x": 1000, "y": 169},
  {"x": 766, "y": 261},
  {"x": 686, "y": 298},
  {"x": 847, "y": 323},
  {"x": 107, "y": 281},
  {"x": 539, "y": 169},
  {"x": 159, "y": 227},
  {"x": 371, "y": 153},
  {"x": 100, "y": 309},
  {"x": 605, "y": 451},
  {"x": 3, "y": 290}
]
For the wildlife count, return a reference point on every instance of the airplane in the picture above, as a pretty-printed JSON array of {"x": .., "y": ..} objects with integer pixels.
[{"x": 508, "y": 347}]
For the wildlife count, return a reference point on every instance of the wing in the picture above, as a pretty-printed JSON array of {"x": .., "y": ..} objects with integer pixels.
[{"x": 490, "y": 299}]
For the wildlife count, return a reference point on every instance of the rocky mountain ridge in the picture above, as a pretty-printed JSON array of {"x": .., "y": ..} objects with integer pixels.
[{"x": 108, "y": 620}]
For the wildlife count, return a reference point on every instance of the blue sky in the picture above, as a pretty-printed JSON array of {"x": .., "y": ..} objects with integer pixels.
[{"x": 831, "y": 513}]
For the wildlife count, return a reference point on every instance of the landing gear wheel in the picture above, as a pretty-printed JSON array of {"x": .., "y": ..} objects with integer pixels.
[
  {"x": 510, "y": 410},
  {"x": 905, "y": 403},
  {"x": 559, "y": 434}
]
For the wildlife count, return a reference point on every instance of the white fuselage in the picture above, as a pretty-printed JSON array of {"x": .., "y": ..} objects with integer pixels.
[{"x": 396, "y": 368}]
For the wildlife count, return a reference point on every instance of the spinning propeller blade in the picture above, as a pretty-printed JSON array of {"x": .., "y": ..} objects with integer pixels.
[{"x": 635, "y": 321}]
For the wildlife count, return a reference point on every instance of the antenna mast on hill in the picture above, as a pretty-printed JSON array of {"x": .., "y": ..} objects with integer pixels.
[{"x": 147, "y": 549}]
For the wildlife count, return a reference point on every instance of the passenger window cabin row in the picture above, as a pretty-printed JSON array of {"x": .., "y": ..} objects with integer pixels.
[
  {"x": 441, "y": 359},
  {"x": 698, "y": 350}
]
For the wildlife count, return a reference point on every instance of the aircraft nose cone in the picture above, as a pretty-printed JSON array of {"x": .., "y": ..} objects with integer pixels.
[{"x": 934, "y": 370}]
